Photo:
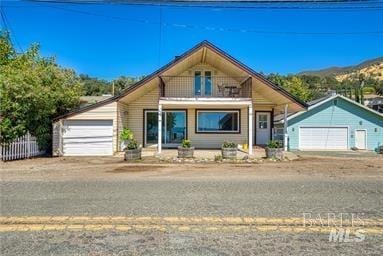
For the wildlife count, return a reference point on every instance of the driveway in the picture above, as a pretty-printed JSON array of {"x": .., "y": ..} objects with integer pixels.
[{"x": 110, "y": 189}]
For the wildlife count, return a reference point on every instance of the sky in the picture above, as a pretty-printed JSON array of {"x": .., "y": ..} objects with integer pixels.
[{"x": 109, "y": 40}]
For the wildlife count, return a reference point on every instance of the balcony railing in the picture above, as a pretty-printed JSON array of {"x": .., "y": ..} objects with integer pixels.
[{"x": 205, "y": 86}]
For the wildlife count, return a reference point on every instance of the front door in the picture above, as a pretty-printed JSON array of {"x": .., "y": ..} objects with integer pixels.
[
  {"x": 360, "y": 139},
  {"x": 173, "y": 127},
  {"x": 262, "y": 128}
]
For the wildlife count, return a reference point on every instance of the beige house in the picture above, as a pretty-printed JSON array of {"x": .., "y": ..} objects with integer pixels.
[{"x": 204, "y": 95}]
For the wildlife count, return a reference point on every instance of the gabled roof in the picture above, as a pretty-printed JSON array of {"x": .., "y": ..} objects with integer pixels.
[
  {"x": 179, "y": 59},
  {"x": 327, "y": 99},
  {"x": 223, "y": 54}
]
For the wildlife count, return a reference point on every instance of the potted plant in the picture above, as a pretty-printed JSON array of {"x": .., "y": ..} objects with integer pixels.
[
  {"x": 274, "y": 150},
  {"x": 229, "y": 150},
  {"x": 125, "y": 136},
  {"x": 185, "y": 150},
  {"x": 132, "y": 150}
]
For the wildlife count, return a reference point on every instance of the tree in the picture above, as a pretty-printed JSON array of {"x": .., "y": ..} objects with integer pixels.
[
  {"x": 33, "y": 90},
  {"x": 94, "y": 86},
  {"x": 294, "y": 84},
  {"x": 124, "y": 82}
]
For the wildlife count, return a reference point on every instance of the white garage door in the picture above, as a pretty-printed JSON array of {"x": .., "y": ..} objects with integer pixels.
[
  {"x": 323, "y": 138},
  {"x": 88, "y": 137}
]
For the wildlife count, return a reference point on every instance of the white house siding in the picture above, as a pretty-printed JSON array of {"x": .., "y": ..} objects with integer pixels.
[{"x": 103, "y": 112}]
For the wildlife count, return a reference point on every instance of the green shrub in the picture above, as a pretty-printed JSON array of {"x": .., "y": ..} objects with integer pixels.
[
  {"x": 132, "y": 144},
  {"x": 186, "y": 144},
  {"x": 274, "y": 144},
  {"x": 126, "y": 135},
  {"x": 227, "y": 144}
]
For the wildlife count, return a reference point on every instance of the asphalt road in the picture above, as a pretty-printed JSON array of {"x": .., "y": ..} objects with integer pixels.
[
  {"x": 276, "y": 197},
  {"x": 268, "y": 194}
]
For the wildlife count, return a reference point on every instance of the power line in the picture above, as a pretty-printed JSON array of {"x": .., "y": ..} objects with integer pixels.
[
  {"x": 9, "y": 29},
  {"x": 262, "y": 4},
  {"x": 219, "y": 29}
]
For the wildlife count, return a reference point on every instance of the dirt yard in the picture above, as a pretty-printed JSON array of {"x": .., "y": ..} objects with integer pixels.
[{"x": 68, "y": 168}]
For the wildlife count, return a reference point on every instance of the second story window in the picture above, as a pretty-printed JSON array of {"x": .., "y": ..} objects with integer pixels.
[
  {"x": 197, "y": 83},
  {"x": 203, "y": 83},
  {"x": 207, "y": 83}
]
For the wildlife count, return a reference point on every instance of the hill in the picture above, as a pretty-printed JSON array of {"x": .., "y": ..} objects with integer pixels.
[{"x": 371, "y": 68}]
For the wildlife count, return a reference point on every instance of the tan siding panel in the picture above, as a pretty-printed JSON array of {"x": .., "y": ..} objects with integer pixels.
[{"x": 136, "y": 113}]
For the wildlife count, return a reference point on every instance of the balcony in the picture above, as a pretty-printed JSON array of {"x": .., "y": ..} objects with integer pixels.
[{"x": 205, "y": 87}]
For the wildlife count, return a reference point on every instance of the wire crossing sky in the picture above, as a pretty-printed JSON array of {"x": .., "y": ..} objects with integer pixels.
[{"x": 111, "y": 38}]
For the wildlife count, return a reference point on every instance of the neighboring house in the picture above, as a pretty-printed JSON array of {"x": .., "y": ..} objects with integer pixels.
[
  {"x": 89, "y": 100},
  {"x": 375, "y": 104},
  {"x": 334, "y": 123},
  {"x": 204, "y": 95}
]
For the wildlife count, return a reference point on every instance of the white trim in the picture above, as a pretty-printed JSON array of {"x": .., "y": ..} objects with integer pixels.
[
  {"x": 365, "y": 139},
  {"x": 205, "y": 101},
  {"x": 250, "y": 129},
  {"x": 323, "y": 126},
  {"x": 159, "y": 129},
  {"x": 269, "y": 125},
  {"x": 329, "y": 99},
  {"x": 219, "y": 131}
]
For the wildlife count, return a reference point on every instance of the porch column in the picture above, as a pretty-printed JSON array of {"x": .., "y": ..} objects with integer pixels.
[
  {"x": 285, "y": 135},
  {"x": 159, "y": 146},
  {"x": 250, "y": 145}
]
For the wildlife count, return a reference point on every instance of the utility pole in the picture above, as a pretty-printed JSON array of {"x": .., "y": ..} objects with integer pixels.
[{"x": 113, "y": 88}]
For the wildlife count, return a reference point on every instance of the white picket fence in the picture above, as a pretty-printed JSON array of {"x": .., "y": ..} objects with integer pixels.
[{"x": 23, "y": 147}]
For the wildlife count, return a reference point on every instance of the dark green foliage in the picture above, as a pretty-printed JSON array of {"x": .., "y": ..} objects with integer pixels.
[
  {"x": 186, "y": 144},
  {"x": 273, "y": 144},
  {"x": 33, "y": 90},
  {"x": 97, "y": 87},
  {"x": 227, "y": 144},
  {"x": 132, "y": 144},
  {"x": 310, "y": 87}
]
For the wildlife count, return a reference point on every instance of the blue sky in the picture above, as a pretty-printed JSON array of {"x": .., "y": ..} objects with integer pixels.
[{"x": 107, "y": 41}]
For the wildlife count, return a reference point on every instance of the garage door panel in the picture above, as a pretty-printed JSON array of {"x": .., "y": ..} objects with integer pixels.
[
  {"x": 325, "y": 138},
  {"x": 88, "y": 137}
]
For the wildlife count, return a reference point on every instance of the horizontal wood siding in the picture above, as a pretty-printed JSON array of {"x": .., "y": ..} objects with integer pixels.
[
  {"x": 104, "y": 112},
  {"x": 215, "y": 140},
  {"x": 135, "y": 116},
  {"x": 122, "y": 121},
  {"x": 183, "y": 84},
  {"x": 343, "y": 113}
]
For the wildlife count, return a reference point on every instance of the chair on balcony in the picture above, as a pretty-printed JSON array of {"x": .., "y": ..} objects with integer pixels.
[{"x": 221, "y": 89}]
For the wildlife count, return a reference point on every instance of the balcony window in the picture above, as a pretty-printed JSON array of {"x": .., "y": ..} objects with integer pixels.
[
  {"x": 208, "y": 83},
  {"x": 217, "y": 121},
  {"x": 197, "y": 83}
]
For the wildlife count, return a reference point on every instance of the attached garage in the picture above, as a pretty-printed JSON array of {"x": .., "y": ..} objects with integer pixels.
[
  {"x": 87, "y": 137},
  {"x": 323, "y": 138}
]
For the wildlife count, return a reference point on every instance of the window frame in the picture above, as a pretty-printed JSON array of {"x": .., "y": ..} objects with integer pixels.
[{"x": 238, "y": 111}]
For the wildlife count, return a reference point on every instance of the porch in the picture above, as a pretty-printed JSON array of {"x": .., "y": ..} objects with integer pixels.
[{"x": 205, "y": 85}]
